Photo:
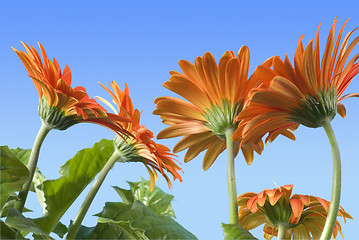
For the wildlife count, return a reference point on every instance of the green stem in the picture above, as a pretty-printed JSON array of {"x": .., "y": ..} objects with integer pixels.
[
  {"x": 281, "y": 231},
  {"x": 232, "y": 190},
  {"x": 91, "y": 195},
  {"x": 336, "y": 187},
  {"x": 34, "y": 156}
]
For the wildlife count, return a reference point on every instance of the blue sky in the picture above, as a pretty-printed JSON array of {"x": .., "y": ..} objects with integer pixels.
[{"x": 139, "y": 42}]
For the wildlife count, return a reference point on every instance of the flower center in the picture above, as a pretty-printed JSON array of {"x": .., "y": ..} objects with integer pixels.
[
  {"x": 221, "y": 117},
  {"x": 313, "y": 111},
  {"x": 55, "y": 118}
]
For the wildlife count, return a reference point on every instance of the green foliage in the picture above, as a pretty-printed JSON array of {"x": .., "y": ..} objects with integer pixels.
[
  {"x": 76, "y": 174},
  {"x": 6, "y": 232},
  {"x": 16, "y": 220},
  {"x": 23, "y": 155},
  {"x": 234, "y": 232},
  {"x": 157, "y": 200},
  {"x": 10, "y": 203},
  {"x": 13, "y": 174},
  {"x": 60, "y": 229},
  {"x": 101, "y": 231},
  {"x": 138, "y": 221},
  {"x": 141, "y": 215}
]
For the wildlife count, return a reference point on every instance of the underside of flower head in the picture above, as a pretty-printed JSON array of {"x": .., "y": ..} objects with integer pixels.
[
  {"x": 139, "y": 146},
  {"x": 307, "y": 94},
  {"x": 215, "y": 95},
  {"x": 302, "y": 216},
  {"x": 62, "y": 106}
]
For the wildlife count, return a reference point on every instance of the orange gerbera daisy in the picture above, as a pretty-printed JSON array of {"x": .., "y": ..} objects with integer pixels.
[
  {"x": 308, "y": 94},
  {"x": 62, "y": 106},
  {"x": 301, "y": 216},
  {"x": 216, "y": 95},
  {"x": 139, "y": 147}
]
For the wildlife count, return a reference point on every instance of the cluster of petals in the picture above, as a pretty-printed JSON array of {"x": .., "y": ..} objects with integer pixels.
[
  {"x": 305, "y": 215},
  {"x": 277, "y": 105},
  {"x": 55, "y": 87},
  {"x": 154, "y": 155},
  {"x": 207, "y": 87}
]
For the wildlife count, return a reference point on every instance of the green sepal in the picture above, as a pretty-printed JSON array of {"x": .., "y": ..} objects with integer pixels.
[
  {"x": 55, "y": 118},
  {"x": 13, "y": 174},
  {"x": 234, "y": 232},
  {"x": 127, "y": 150},
  {"x": 221, "y": 117},
  {"x": 313, "y": 111}
]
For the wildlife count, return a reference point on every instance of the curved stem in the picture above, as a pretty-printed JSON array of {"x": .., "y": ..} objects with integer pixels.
[
  {"x": 91, "y": 195},
  {"x": 281, "y": 231},
  {"x": 336, "y": 187},
  {"x": 232, "y": 190},
  {"x": 34, "y": 156}
]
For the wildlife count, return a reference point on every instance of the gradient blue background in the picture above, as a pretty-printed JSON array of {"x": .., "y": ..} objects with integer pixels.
[{"x": 139, "y": 42}]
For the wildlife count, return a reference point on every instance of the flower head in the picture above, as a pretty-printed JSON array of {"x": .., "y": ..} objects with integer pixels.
[
  {"x": 139, "y": 147},
  {"x": 303, "y": 216},
  {"x": 216, "y": 95},
  {"x": 308, "y": 93},
  {"x": 62, "y": 106}
]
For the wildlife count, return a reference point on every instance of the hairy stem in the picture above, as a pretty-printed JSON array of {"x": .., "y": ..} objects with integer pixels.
[
  {"x": 34, "y": 156},
  {"x": 91, "y": 195},
  {"x": 281, "y": 232},
  {"x": 232, "y": 190},
  {"x": 336, "y": 187}
]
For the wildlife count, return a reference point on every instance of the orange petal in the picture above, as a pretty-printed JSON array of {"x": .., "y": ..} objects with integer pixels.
[
  {"x": 212, "y": 153},
  {"x": 190, "y": 140},
  {"x": 341, "y": 110},
  {"x": 182, "y": 129},
  {"x": 188, "y": 90}
]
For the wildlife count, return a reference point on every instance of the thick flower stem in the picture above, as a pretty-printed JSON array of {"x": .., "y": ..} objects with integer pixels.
[
  {"x": 281, "y": 232},
  {"x": 232, "y": 190},
  {"x": 34, "y": 156},
  {"x": 336, "y": 187},
  {"x": 91, "y": 195}
]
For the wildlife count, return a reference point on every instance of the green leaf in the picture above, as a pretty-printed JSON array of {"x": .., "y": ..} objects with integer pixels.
[
  {"x": 6, "y": 232},
  {"x": 16, "y": 220},
  {"x": 157, "y": 200},
  {"x": 13, "y": 174},
  {"x": 11, "y": 201},
  {"x": 60, "y": 229},
  {"x": 76, "y": 174},
  {"x": 23, "y": 155},
  {"x": 137, "y": 220},
  {"x": 233, "y": 231},
  {"x": 101, "y": 231}
]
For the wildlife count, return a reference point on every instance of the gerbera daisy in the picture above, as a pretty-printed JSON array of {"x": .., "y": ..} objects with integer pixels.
[
  {"x": 138, "y": 146},
  {"x": 308, "y": 94},
  {"x": 61, "y": 106},
  {"x": 216, "y": 95},
  {"x": 285, "y": 215}
]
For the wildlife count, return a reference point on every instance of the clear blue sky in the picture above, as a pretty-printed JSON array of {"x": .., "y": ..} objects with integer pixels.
[{"x": 139, "y": 42}]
